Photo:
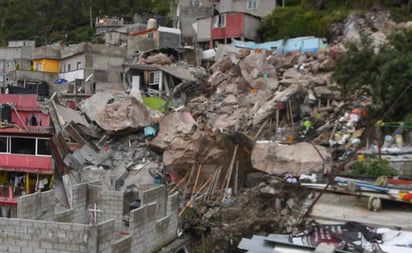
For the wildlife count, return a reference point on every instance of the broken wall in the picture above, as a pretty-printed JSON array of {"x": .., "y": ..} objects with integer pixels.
[
  {"x": 145, "y": 225},
  {"x": 151, "y": 226},
  {"x": 44, "y": 236},
  {"x": 110, "y": 203},
  {"x": 157, "y": 195},
  {"x": 36, "y": 206},
  {"x": 122, "y": 245}
]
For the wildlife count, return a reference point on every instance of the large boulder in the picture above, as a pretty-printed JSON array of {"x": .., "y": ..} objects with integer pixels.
[
  {"x": 116, "y": 112},
  {"x": 297, "y": 159},
  {"x": 172, "y": 126}
]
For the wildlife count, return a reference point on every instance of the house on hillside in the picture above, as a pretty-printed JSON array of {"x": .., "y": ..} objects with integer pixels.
[
  {"x": 187, "y": 11},
  {"x": 26, "y": 165},
  {"x": 224, "y": 27},
  {"x": 259, "y": 8},
  {"x": 106, "y": 24},
  {"x": 154, "y": 37},
  {"x": 16, "y": 56},
  {"x": 232, "y": 19},
  {"x": 233, "y": 25}
]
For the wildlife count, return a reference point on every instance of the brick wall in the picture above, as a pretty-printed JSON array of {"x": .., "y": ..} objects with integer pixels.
[
  {"x": 157, "y": 195},
  {"x": 36, "y": 206},
  {"x": 152, "y": 225},
  {"x": 122, "y": 245},
  {"x": 33, "y": 236},
  {"x": 145, "y": 224},
  {"x": 110, "y": 204},
  {"x": 79, "y": 203},
  {"x": 105, "y": 235}
]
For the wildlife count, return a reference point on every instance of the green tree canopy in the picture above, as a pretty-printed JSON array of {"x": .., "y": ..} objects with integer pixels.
[
  {"x": 385, "y": 75},
  {"x": 49, "y": 21}
]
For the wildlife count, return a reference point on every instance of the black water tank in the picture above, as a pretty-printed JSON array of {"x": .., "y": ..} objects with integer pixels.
[
  {"x": 5, "y": 113},
  {"x": 43, "y": 89}
]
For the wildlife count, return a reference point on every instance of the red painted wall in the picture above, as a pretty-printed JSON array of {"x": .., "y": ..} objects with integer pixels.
[
  {"x": 233, "y": 29},
  {"x": 26, "y": 106},
  {"x": 26, "y": 163}
]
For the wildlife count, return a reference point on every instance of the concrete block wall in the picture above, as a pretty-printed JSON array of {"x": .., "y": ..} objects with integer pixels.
[
  {"x": 122, "y": 245},
  {"x": 110, "y": 204},
  {"x": 36, "y": 206},
  {"x": 34, "y": 236},
  {"x": 172, "y": 210},
  {"x": 157, "y": 195},
  {"x": 64, "y": 216},
  {"x": 148, "y": 232},
  {"x": 105, "y": 236},
  {"x": 79, "y": 203}
]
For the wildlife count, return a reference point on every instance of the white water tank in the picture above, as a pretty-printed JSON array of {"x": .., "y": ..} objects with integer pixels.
[{"x": 151, "y": 23}]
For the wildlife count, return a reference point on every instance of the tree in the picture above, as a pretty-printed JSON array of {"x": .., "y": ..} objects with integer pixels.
[{"x": 386, "y": 76}]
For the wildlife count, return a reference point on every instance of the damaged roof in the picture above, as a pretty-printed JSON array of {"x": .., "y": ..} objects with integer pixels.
[{"x": 181, "y": 72}]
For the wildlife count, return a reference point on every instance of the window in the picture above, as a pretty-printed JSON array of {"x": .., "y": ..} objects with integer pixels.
[
  {"x": 216, "y": 21},
  {"x": 252, "y": 4},
  {"x": 4, "y": 147},
  {"x": 150, "y": 35},
  {"x": 154, "y": 78},
  {"x": 38, "y": 66},
  {"x": 79, "y": 63},
  {"x": 68, "y": 67},
  {"x": 197, "y": 3},
  {"x": 42, "y": 147},
  {"x": 222, "y": 21},
  {"x": 219, "y": 21},
  {"x": 25, "y": 146}
]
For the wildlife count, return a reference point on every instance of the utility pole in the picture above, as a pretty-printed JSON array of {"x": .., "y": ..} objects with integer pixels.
[{"x": 91, "y": 18}]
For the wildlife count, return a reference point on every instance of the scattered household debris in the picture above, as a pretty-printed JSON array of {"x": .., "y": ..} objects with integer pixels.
[{"x": 347, "y": 237}]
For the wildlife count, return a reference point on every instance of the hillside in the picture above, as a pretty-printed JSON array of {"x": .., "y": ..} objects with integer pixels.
[
  {"x": 72, "y": 20},
  {"x": 49, "y": 21}
]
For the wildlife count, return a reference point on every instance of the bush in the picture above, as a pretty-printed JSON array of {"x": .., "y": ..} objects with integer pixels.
[
  {"x": 372, "y": 167},
  {"x": 295, "y": 21}
]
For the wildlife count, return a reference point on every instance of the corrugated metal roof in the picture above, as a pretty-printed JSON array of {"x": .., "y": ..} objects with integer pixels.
[
  {"x": 180, "y": 72},
  {"x": 257, "y": 244}
]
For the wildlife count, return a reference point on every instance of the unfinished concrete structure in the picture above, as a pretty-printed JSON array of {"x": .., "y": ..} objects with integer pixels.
[
  {"x": 92, "y": 224},
  {"x": 16, "y": 56}
]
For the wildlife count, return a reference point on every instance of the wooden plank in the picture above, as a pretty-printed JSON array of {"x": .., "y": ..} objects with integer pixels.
[{"x": 71, "y": 129}]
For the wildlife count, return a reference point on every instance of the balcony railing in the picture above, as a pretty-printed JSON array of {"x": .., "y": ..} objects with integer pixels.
[{"x": 9, "y": 194}]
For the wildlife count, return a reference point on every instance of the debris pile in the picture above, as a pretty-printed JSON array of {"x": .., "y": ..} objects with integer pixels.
[{"x": 269, "y": 204}]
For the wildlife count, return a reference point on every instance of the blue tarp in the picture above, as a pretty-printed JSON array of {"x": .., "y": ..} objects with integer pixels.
[
  {"x": 304, "y": 44},
  {"x": 271, "y": 45},
  {"x": 60, "y": 81},
  {"x": 300, "y": 44}
]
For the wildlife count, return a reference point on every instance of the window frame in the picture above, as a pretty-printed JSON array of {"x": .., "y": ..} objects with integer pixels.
[
  {"x": 36, "y": 153},
  {"x": 252, "y": 4}
]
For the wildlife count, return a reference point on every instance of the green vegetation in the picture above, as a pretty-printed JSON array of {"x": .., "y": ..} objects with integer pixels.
[
  {"x": 156, "y": 103},
  {"x": 48, "y": 21},
  {"x": 372, "y": 167},
  {"x": 296, "y": 21},
  {"x": 314, "y": 17},
  {"x": 385, "y": 76}
]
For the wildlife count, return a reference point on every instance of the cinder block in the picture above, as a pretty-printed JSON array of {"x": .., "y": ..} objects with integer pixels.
[
  {"x": 325, "y": 248},
  {"x": 37, "y": 250},
  {"x": 27, "y": 250},
  {"x": 46, "y": 245}
]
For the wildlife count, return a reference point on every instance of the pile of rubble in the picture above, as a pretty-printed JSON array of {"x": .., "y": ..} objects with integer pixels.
[
  {"x": 277, "y": 114},
  {"x": 267, "y": 205}
]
